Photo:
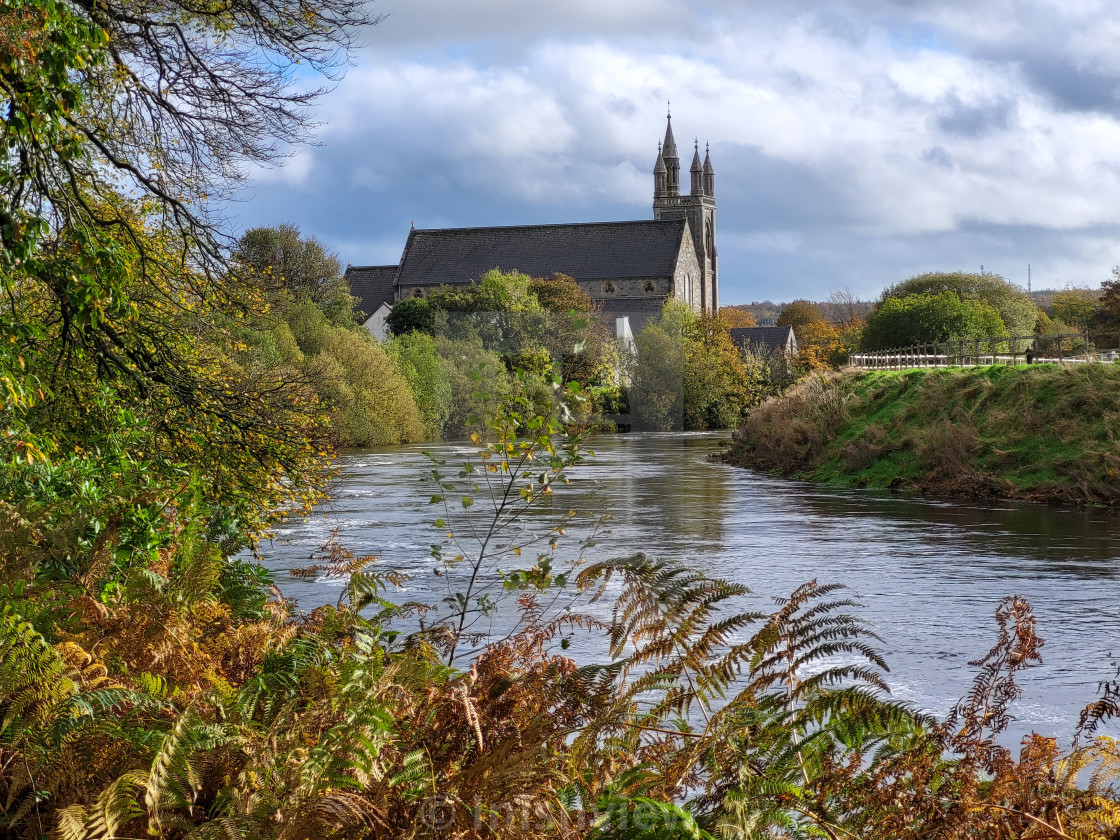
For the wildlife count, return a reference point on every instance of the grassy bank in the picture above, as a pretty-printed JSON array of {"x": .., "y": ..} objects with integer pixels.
[{"x": 1042, "y": 433}]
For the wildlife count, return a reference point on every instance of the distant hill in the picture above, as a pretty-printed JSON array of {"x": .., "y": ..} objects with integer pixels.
[{"x": 766, "y": 312}]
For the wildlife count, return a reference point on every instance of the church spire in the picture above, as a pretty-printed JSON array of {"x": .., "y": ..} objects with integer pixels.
[
  {"x": 697, "y": 170},
  {"x": 660, "y": 174},
  {"x": 672, "y": 162},
  {"x": 709, "y": 174}
]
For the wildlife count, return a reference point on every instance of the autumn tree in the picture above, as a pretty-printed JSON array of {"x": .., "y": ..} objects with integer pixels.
[
  {"x": 1108, "y": 315},
  {"x": 735, "y": 317},
  {"x": 561, "y": 293},
  {"x": 282, "y": 260},
  {"x": 798, "y": 314},
  {"x": 1076, "y": 306}
]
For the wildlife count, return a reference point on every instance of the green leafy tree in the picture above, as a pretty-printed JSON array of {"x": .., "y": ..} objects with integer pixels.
[
  {"x": 657, "y": 379},
  {"x": 410, "y": 315},
  {"x": 415, "y": 356},
  {"x": 1016, "y": 310},
  {"x": 929, "y": 317},
  {"x": 500, "y": 309}
]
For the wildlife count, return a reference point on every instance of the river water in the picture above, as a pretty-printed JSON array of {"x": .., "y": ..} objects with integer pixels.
[{"x": 931, "y": 573}]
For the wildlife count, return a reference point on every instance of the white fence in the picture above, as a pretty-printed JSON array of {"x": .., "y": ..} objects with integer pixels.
[{"x": 997, "y": 350}]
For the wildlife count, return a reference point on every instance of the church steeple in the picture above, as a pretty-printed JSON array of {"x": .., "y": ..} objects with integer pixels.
[
  {"x": 697, "y": 170},
  {"x": 697, "y": 284},
  {"x": 660, "y": 175},
  {"x": 672, "y": 162},
  {"x": 709, "y": 174}
]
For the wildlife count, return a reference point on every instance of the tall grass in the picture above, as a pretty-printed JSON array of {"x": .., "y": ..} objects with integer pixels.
[{"x": 1040, "y": 432}]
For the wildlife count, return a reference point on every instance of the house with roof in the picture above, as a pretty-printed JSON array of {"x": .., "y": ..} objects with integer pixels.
[
  {"x": 628, "y": 268},
  {"x": 765, "y": 341},
  {"x": 373, "y": 286}
]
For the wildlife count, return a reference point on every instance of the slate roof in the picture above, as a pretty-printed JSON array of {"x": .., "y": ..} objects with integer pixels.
[
  {"x": 771, "y": 338},
  {"x": 638, "y": 310},
  {"x": 596, "y": 251},
  {"x": 372, "y": 285}
]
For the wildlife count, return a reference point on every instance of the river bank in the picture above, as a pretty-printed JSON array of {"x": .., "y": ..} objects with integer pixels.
[{"x": 1041, "y": 433}]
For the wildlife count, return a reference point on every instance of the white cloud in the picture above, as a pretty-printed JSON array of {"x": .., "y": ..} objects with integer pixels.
[{"x": 866, "y": 121}]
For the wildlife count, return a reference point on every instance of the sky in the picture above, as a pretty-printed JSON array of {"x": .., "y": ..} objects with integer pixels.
[{"x": 855, "y": 143}]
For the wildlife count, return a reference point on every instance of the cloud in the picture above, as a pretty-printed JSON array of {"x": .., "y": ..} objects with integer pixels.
[{"x": 854, "y": 144}]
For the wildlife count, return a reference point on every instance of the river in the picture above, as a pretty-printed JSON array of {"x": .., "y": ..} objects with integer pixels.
[{"x": 930, "y": 572}]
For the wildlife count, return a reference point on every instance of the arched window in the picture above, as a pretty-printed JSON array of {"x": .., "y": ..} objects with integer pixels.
[
  {"x": 418, "y": 293},
  {"x": 710, "y": 241}
]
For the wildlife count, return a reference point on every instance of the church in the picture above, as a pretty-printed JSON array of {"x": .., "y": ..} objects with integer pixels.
[{"x": 628, "y": 268}]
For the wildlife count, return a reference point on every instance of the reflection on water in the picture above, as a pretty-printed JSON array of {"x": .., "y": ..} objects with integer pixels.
[{"x": 931, "y": 572}]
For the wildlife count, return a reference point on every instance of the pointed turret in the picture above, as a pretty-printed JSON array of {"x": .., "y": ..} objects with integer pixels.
[
  {"x": 660, "y": 173},
  {"x": 672, "y": 162},
  {"x": 709, "y": 174},
  {"x": 697, "y": 170}
]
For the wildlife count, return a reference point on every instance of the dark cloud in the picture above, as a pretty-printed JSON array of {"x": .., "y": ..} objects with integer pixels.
[{"x": 1072, "y": 87}]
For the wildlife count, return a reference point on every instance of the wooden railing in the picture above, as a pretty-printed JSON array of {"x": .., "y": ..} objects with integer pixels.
[{"x": 1065, "y": 348}]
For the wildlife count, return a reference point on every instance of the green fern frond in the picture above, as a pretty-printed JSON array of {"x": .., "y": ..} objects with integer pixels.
[{"x": 32, "y": 674}]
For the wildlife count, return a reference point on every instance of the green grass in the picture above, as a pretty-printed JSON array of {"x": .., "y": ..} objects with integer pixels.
[{"x": 1040, "y": 432}]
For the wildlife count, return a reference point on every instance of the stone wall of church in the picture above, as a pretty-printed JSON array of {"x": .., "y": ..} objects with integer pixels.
[
  {"x": 686, "y": 281},
  {"x": 627, "y": 287}
]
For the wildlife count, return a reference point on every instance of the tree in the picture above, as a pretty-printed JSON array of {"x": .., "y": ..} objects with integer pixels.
[
  {"x": 735, "y": 316},
  {"x": 410, "y": 315},
  {"x": 1016, "y": 310},
  {"x": 929, "y": 317},
  {"x": 560, "y": 293},
  {"x": 844, "y": 308},
  {"x": 282, "y": 260},
  {"x": 122, "y": 121},
  {"x": 798, "y": 314},
  {"x": 820, "y": 347},
  {"x": 1108, "y": 315},
  {"x": 716, "y": 385},
  {"x": 1076, "y": 306},
  {"x": 415, "y": 357}
]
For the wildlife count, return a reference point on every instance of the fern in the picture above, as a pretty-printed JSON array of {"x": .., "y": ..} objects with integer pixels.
[
  {"x": 32, "y": 674},
  {"x": 116, "y": 806},
  {"x": 174, "y": 778}
]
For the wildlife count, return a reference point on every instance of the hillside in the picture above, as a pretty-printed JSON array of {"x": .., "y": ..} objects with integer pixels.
[{"x": 1042, "y": 433}]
